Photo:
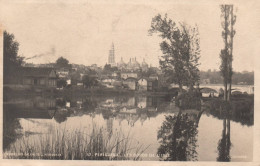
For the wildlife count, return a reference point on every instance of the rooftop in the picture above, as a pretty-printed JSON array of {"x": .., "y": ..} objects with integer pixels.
[{"x": 35, "y": 71}]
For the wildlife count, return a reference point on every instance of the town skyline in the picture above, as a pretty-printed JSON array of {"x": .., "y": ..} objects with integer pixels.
[
  {"x": 83, "y": 33},
  {"x": 137, "y": 80}
]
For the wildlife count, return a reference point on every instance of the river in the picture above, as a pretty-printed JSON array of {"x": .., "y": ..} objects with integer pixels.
[{"x": 124, "y": 127}]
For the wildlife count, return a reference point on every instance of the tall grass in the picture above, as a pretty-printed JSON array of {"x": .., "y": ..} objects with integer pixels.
[{"x": 98, "y": 144}]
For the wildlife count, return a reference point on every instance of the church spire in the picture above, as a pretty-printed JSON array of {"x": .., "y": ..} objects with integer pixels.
[
  {"x": 112, "y": 46},
  {"x": 111, "y": 56}
]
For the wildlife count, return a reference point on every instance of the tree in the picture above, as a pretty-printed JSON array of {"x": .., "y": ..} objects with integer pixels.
[
  {"x": 62, "y": 63},
  {"x": 149, "y": 72},
  {"x": 61, "y": 83},
  {"x": 89, "y": 81},
  {"x": 226, "y": 54},
  {"x": 91, "y": 72},
  {"x": 109, "y": 68},
  {"x": 11, "y": 58},
  {"x": 75, "y": 77},
  {"x": 180, "y": 48},
  {"x": 191, "y": 52}
]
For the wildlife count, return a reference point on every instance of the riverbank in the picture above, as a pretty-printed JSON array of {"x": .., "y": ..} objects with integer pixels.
[
  {"x": 80, "y": 91},
  {"x": 9, "y": 92}
]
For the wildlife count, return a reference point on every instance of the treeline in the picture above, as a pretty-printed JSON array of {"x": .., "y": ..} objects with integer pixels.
[{"x": 238, "y": 78}]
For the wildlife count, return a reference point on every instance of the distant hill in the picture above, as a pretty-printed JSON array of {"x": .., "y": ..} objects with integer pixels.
[{"x": 239, "y": 78}]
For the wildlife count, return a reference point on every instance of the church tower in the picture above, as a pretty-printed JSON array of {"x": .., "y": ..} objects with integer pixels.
[{"x": 111, "y": 56}]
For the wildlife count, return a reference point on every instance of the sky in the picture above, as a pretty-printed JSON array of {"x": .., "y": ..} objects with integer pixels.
[{"x": 84, "y": 31}]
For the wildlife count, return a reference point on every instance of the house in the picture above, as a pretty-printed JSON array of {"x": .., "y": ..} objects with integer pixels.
[
  {"x": 142, "y": 84},
  {"x": 108, "y": 80},
  {"x": 62, "y": 72},
  {"x": 68, "y": 81},
  {"x": 130, "y": 82},
  {"x": 163, "y": 84},
  {"x": 147, "y": 84},
  {"x": 38, "y": 77},
  {"x": 152, "y": 84},
  {"x": 81, "y": 76},
  {"x": 153, "y": 76},
  {"x": 115, "y": 75},
  {"x": 117, "y": 83},
  {"x": 129, "y": 74},
  {"x": 80, "y": 84}
]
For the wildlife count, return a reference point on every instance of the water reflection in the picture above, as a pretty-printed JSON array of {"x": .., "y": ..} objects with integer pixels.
[
  {"x": 178, "y": 136},
  {"x": 11, "y": 127},
  {"x": 170, "y": 132},
  {"x": 238, "y": 111},
  {"x": 241, "y": 111},
  {"x": 224, "y": 144},
  {"x": 117, "y": 108}
]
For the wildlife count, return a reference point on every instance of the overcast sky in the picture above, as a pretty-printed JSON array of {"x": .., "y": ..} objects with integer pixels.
[{"x": 83, "y": 32}]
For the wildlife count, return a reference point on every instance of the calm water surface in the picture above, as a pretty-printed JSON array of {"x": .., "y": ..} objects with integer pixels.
[{"x": 154, "y": 124}]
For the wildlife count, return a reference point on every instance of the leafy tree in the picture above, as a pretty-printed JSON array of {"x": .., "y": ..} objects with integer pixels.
[
  {"x": 61, "y": 83},
  {"x": 75, "y": 77},
  {"x": 91, "y": 72},
  {"x": 226, "y": 54},
  {"x": 11, "y": 58},
  {"x": 191, "y": 53},
  {"x": 149, "y": 72},
  {"x": 62, "y": 63},
  {"x": 60, "y": 103},
  {"x": 213, "y": 76},
  {"x": 109, "y": 68},
  {"x": 180, "y": 47},
  {"x": 89, "y": 81},
  {"x": 245, "y": 78}
]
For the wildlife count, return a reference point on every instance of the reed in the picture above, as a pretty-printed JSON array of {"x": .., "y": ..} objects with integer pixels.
[{"x": 77, "y": 144}]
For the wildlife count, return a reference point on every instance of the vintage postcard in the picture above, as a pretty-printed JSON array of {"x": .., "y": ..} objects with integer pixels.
[{"x": 129, "y": 82}]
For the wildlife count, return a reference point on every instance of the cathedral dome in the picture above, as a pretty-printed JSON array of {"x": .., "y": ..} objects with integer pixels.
[
  {"x": 121, "y": 64},
  {"x": 133, "y": 64},
  {"x": 144, "y": 64}
]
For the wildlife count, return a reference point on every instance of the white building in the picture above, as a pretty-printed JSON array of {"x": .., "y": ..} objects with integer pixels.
[
  {"x": 142, "y": 84},
  {"x": 128, "y": 75}
]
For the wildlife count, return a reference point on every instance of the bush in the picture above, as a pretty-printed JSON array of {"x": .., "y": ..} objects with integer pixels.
[{"x": 189, "y": 100}]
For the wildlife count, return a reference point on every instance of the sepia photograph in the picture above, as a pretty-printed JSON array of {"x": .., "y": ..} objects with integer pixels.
[{"x": 129, "y": 81}]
